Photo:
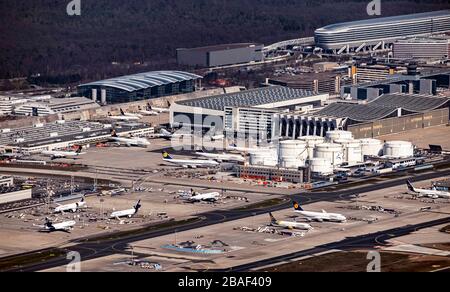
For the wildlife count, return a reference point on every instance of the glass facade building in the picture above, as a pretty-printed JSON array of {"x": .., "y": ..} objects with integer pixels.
[{"x": 141, "y": 86}]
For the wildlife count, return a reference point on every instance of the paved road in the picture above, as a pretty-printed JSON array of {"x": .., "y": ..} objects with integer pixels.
[
  {"x": 89, "y": 250},
  {"x": 364, "y": 241}
]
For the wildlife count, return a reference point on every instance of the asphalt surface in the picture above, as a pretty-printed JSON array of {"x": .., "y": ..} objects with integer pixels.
[
  {"x": 365, "y": 241},
  {"x": 93, "y": 250}
]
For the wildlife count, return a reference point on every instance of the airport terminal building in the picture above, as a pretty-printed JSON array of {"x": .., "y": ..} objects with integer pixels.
[
  {"x": 140, "y": 86},
  {"x": 236, "y": 109},
  {"x": 63, "y": 134},
  {"x": 375, "y": 34},
  {"x": 388, "y": 114}
]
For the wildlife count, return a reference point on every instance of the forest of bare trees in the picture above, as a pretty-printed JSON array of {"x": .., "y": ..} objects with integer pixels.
[{"x": 114, "y": 37}]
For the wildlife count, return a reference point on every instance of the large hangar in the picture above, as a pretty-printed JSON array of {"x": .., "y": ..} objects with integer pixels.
[
  {"x": 376, "y": 33},
  {"x": 388, "y": 114},
  {"x": 140, "y": 86},
  {"x": 208, "y": 111},
  {"x": 221, "y": 55}
]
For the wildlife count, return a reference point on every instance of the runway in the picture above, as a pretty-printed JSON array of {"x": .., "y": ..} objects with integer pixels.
[{"x": 92, "y": 250}]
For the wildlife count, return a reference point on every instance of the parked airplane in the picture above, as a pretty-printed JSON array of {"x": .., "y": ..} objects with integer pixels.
[
  {"x": 222, "y": 157},
  {"x": 70, "y": 207},
  {"x": 63, "y": 154},
  {"x": 207, "y": 197},
  {"x": 159, "y": 109},
  {"x": 248, "y": 149},
  {"x": 126, "y": 213},
  {"x": 289, "y": 224},
  {"x": 50, "y": 227},
  {"x": 433, "y": 193},
  {"x": 147, "y": 112},
  {"x": 319, "y": 216},
  {"x": 165, "y": 134},
  {"x": 124, "y": 117},
  {"x": 189, "y": 163},
  {"x": 130, "y": 142},
  {"x": 130, "y": 114}
]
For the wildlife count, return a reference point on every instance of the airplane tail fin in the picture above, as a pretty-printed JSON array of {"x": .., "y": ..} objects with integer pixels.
[
  {"x": 166, "y": 155},
  {"x": 272, "y": 218},
  {"x": 122, "y": 112},
  {"x": 48, "y": 223},
  {"x": 297, "y": 206},
  {"x": 137, "y": 206},
  {"x": 410, "y": 186}
]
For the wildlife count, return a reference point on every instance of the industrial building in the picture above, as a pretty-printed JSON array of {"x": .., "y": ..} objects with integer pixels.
[
  {"x": 324, "y": 82},
  {"x": 63, "y": 134},
  {"x": 267, "y": 173},
  {"x": 221, "y": 55},
  {"x": 388, "y": 114},
  {"x": 425, "y": 82},
  {"x": 6, "y": 181},
  {"x": 436, "y": 48},
  {"x": 380, "y": 33},
  {"x": 373, "y": 73},
  {"x": 209, "y": 111},
  {"x": 55, "y": 106},
  {"x": 319, "y": 157},
  {"x": 140, "y": 86},
  {"x": 9, "y": 193}
]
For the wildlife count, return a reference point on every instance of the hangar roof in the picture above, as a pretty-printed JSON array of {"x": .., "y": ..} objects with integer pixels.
[
  {"x": 146, "y": 80},
  {"x": 383, "y": 20},
  {"x": 249, "y": 98},
  {"x": 384, "y": 106}
]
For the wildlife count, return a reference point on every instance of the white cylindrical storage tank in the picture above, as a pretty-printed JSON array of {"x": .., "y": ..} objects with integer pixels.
[
  {"x": 398, "y": 149},
  {"x": 293, "y": 149},
  {"x": 311, "y": 143},
  {"x": 371, "y": 147},
  {"x": 332, "y": 136},
  {"x": 321, "y": 166},
  {"x": 264, "y": 158},
  {"x": 332, "y": 152},
  {"x": 352, "y": 150},
  {"x": 292, "y": 163}
]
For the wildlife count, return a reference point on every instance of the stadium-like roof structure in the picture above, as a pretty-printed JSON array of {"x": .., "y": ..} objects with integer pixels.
[
  {"x": 146, "y": 80},
  {"x": 384, "y": 106},
  {"x": 249, "y": 98},
  {"x": 382, "y": 21}
]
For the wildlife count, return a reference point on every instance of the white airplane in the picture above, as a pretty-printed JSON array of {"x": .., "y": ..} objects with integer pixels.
[
  {"x": 62, "y": 154},
  {"x": 126, "y": 213},
  {"x": 63, "y": 226},
  {"x": 289, "y": 224},
  {"x": 130, "y": 114},
  {"x": 222, "y": 157},
  {"x": 248, "y": 149},
  {"x": 124, "y": 117},
  {"x": 147, "y": 112},
  {"x": 164, "y": 134},
  {"x": 433, "y": 193},
  {"x": 319, "y": 216},
  {"x": 159, "y": 109},
  {"x": 208, "y": 197},
  {"x": 189, "y": 163},
  {"x": 70, "y": 207},
  {"x": 130, "y": 142}
]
